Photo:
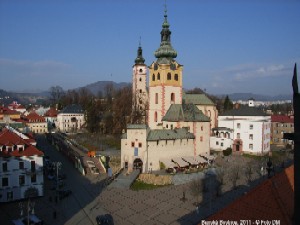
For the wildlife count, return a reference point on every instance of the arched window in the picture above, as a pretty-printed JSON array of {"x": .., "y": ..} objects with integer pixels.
[
  {"x": 140, "y": 79},
  {"x": 158, "y": 76},
  {"x": 156, "y": 98},
  {"x": 176, "y": 77},
  {"x": 155, "y": 117},
  {"x": 140, "y": 90},
  {"x": 208, "y": 113},
  {"x": 172, "y": 98},
  {"x": 169, "y": 76},
  {"x": 153, "y": 77},
  {"x": 141, "y": 70}
]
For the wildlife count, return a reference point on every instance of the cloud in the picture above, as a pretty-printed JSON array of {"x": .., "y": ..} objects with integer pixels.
[{"x": 251, "y": 71}]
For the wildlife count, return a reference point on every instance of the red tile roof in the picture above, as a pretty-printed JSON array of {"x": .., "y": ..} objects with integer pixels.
[
  {"x": 282, "y": 119},
  {"x": 52, "y": 112},
  {"x": 271, "y": 200},
  {"x": 33, "y": 117},
  {"x": 7, "y": 111},
  {"x": 9, "y": 138}
]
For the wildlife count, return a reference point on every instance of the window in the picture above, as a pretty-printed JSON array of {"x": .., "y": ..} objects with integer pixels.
[
  {"x": 156, "y": 98},
  {"x": 169, "y": 76},
  {"x": 4, "y": 167},
  {"x": 251, "y": 146},
  {"x": 176, "y": 77},
  {"x": 221, "y": 144},
  {"x": 153, "y": 77},
  {"x": 217, "y": 143},
  {"x": 21, "y": 165},
  {"x": 21, "y": 180},
  {"x": 33, "y": 178},
  {"x": 238, "y": 135},
  {"x": 172, "y": 98},
  {"x": 251, "y": 126},
  {"x": 140, "y": 79},
  {"x": 10, "y": 195},
  {"x": 171, "y": 126},
  {"x": 132, "y": 144},
  {"x": 238, "y": 125},
  {"x": 32, "y": 166},
  {"x": 155, "y": 117},
  {"x": 201, "y": 138},
  {"x": 158, "y": 76},
  {"x": 4, "y": 181},
  {"x": 251, "y": 136},
  {"x": 140, "y": 145},
  {"x": 140, "y": 90},
  {"x": 141, "y": 70},
  {"x": 201, "y": 128}
]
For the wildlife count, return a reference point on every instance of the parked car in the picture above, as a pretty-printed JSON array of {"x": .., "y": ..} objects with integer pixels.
[
  {"x": 64, "y": 193},
  {"x": 105, "y": 219}
]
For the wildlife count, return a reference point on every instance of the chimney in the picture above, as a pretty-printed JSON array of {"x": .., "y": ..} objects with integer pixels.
[{"x": 236, "y": 105}]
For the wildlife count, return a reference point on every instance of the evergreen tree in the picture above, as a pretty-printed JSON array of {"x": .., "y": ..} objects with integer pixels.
[{"x": 227, "y": 104}]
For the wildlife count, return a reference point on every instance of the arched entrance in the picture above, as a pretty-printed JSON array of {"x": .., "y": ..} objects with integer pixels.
[
  {"x": 138, "y": 164},
  {"x": 237, "y": 145}
]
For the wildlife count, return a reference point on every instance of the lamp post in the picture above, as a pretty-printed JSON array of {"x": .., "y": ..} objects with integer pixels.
[
  {"x": 29, "y": 208},
  {"x": 58, "y": 166}
]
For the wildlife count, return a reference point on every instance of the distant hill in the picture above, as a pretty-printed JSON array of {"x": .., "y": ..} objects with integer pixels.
[
  {"x": 100, "y": 86},
  {"x": 247, "y": 96}
]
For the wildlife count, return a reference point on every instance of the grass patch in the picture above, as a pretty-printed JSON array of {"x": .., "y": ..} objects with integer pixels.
[
  {"x": 256, "y": 157},
  {"x": 139, "y": 185}
]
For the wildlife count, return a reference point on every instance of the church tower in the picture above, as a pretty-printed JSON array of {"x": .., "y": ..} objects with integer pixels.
[
  {"x": 165, "y": 79},
  {"x": 139, "y": 91}
]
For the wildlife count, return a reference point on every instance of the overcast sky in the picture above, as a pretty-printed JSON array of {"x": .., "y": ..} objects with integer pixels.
[{"x": 226, "y": 46}]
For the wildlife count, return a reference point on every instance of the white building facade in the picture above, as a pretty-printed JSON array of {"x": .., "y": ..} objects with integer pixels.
[
  {"x": 70, "y": 119},
  {"x": 21, "y": 168},
  {"x": 251, "y": 129}
]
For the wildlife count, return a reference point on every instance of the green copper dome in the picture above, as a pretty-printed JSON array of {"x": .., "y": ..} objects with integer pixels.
[
  {"x": 165, "y": 53},
  {"x": 139, "y": 59}
]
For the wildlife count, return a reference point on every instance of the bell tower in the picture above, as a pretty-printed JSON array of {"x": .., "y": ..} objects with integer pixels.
[
  {"x": 139, "y": 91},
  {"x": 165, "y": 79}
]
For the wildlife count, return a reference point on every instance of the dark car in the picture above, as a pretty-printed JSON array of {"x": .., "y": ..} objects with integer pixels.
[
  {"x": 64, "y": 193},
  {"x": 106, "y": 219}
]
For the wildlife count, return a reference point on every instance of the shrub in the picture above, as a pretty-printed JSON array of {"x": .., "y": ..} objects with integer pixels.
[
  {"x": 162, "y": 166},
  {"x": 227, "y": 152}
]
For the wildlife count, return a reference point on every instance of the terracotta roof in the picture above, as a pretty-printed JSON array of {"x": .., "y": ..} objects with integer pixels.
[
  {"x": 271, "y": 200},
  {"x": 282, "y": 119},
  {"x": 9, "y": 138},
  {"x": 7, "y": 111},
  {"x": 52, "y": 112},
  {"x": 34, "y": 117}
]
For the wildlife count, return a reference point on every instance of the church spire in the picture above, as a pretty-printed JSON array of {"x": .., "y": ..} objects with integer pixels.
[
  {"x": 139, "y": 59},
  {"x": 165, "y": 53}
]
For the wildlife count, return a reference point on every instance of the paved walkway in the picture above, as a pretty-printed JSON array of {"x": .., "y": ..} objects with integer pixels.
[{"x": 123, "y": 180}]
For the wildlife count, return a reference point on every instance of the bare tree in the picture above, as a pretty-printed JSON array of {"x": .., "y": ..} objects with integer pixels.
[
  {"x": 56, "y": 93},
  {"x": 249, "y": 172},
  {"x": 220, "y": 174},
  {"x": 197, "y": 188},
  {"x": 234, "y": 175}
]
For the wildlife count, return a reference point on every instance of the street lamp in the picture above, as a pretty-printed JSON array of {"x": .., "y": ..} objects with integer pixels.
[
  {"x": 58, "y": 166},
  {"x": 30, "y": 207}
]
